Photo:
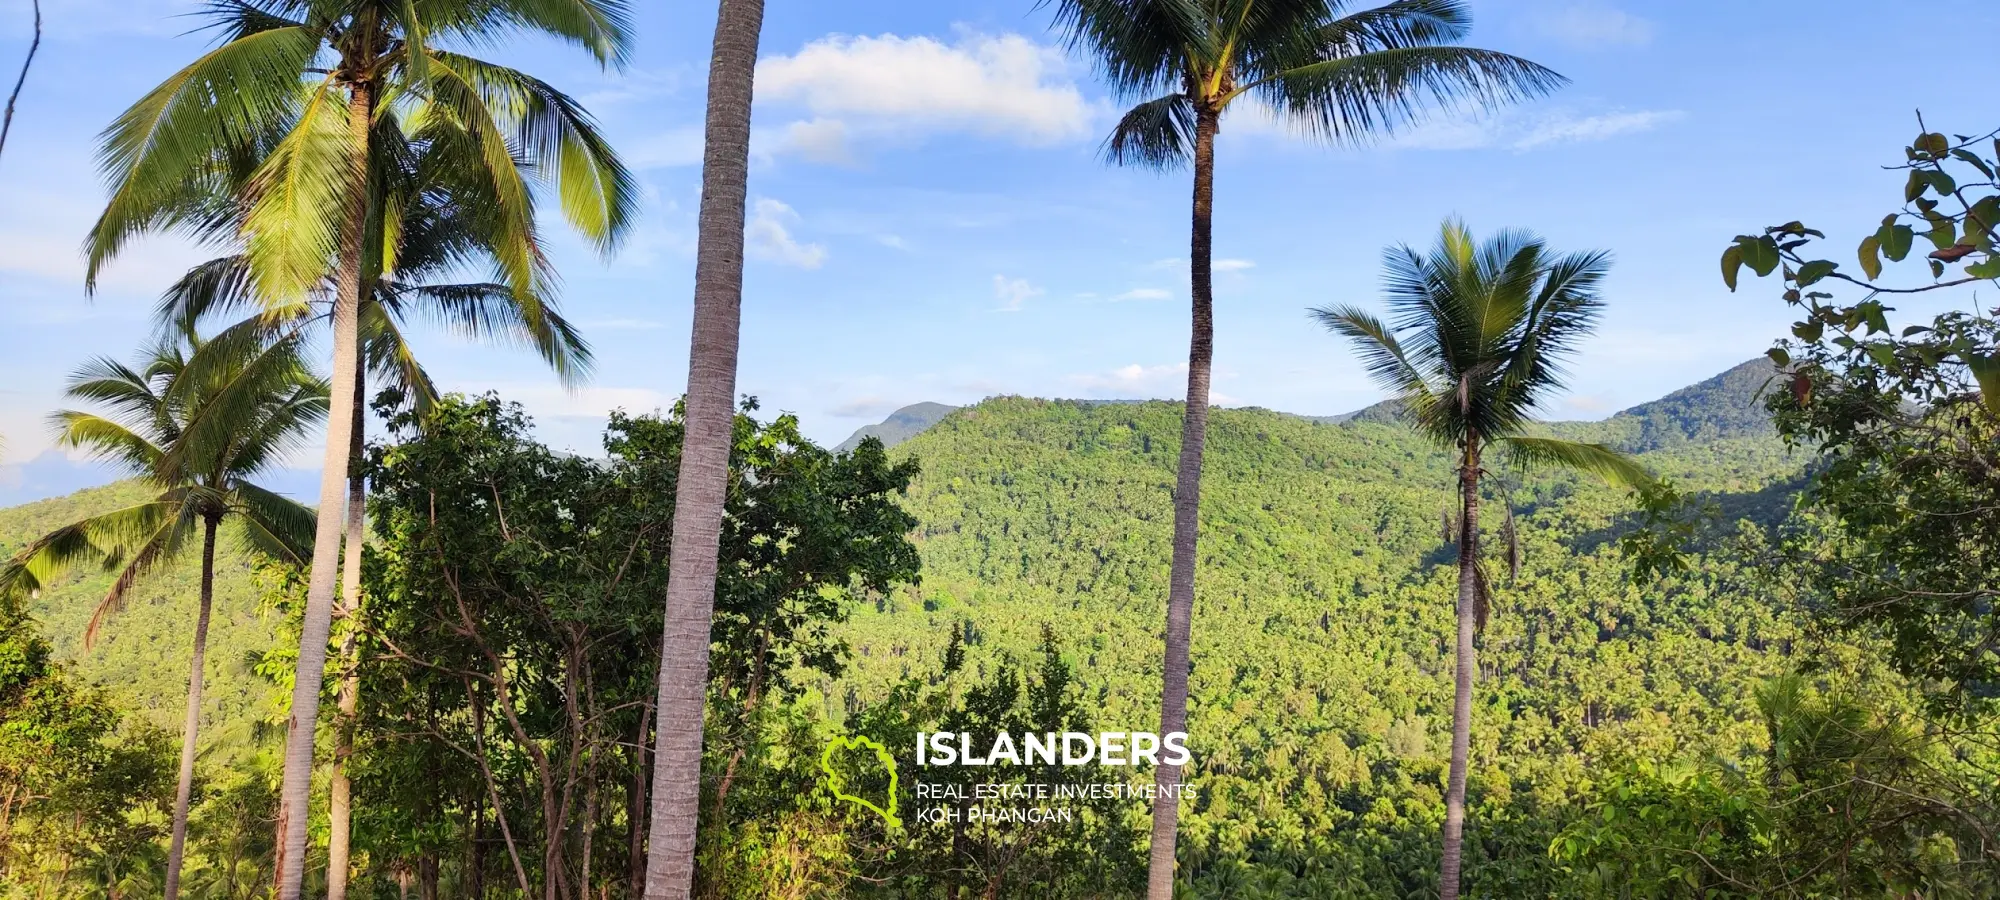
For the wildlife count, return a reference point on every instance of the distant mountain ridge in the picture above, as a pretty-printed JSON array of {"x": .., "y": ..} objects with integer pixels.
[
  {"x": 900, "y": 426},
  {"x": 1728, "y": 405}
]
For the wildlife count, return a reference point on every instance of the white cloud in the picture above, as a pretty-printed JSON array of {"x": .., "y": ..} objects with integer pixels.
[
  {"x": 1595, "y": 128},
  {"x": 818, "y": 140},
  {"x": 549, "y": 401},
  {"x": 1595, "y": 25},
  {"x": 1144, "y": 293},
  {"x": 1522, "y": 132},
  {"x": 770, "y": 237},
  {"x": 1167, "y": 382},
  {"x": 1004, "y": 86},
  {"x": 1232, "y": 265},
  {"x": 1012, "y": 292}
]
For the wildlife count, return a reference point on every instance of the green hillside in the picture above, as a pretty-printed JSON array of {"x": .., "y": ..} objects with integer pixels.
[
  {"x": 900, "y": 426},
  {"x": 141, "y": 655},
  {"x": 1321, "y": 691},
  {"x": 1321, "y": 686}
]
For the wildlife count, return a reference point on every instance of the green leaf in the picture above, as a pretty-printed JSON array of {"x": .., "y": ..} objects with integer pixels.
[
  {"x": 1814, "y": 271},
  {"x": 1808, "y": 331},
  {"x": 1941, "y": 181},
  {"x": 1871, "y": 256},
  {"x": 1933, "y": 143},
  {"x": 1896, "y": 241},
  {"x": 1988, "y": 269},
  {"x": 1760, "y": 254},
  {"x": 1937, "y": 269},
  {"x": 1914, "y": 187},
  {"x": 1873, "y": 313},
  {"x": 1779, "y": 357},
  {"x": 1883, "y": 354},
  {"x": 1986, "y": 370},
  {"x": 1943, "y": 233},
  {"x": 1973, "y": 160},
  {"x": 1732, "y": 263}
]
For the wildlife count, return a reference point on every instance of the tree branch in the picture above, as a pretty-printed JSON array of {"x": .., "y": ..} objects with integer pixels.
[{"x": 7, "y": 122}]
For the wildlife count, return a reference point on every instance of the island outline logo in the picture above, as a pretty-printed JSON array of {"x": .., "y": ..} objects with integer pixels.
[{"x": 835, "y": 782}]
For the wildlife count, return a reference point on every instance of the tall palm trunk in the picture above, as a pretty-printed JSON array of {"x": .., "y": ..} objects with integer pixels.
[
  {"x": 704, "y": 470},
  {"x": 295, "y": 792},
  {"x": 1461, "y": 706},
  {"x": 177, "y": 845},
  {"x": 339, "y": 807},
  {"x": 1187, "y": 509}
]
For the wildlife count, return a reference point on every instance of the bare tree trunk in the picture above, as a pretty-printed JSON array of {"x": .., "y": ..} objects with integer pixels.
[
  {"x": 7, "y": 122},
  {"x": 636, "y": 803},
  {"x": 295, "y": 792},
  {"x": 339, "y": 790},
  {"x": 1461, "y": 707},
  {"x": 177, "y": 844},
  {"x": 704, "y": 469},
  {"x": 1187, "y": 509}
]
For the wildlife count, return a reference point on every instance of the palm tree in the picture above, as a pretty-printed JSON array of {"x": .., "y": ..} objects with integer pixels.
[
  {"x": 269, "y": 139},
  {"x": 704, "y": 469},
  {"x": 267, "y": 402},
  {"x": 1333, "y": 75},
  {"x": 433, "y": 239},
  {"x": 1480, "y": 334}
]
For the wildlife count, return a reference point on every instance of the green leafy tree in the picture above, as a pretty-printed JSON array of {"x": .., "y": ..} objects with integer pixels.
[
  {"x": 1338, "y": 75},
  {"x": 703, "y": 486},
  {"x": 1479, "y": 336},
  {"x": 279, "y": 121},
  {"x": 1906, "y": 423},
  {"x": 265, "y": 402}
]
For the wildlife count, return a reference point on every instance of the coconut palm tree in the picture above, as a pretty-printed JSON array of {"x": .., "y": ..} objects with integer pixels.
[
  {"x": 267, "y": 401},
  {"x": 1479, "y": 334},
  {"x": 268, "y": 140},
  {"x": 675, "y": 807},
  {"x": 434, "y": 239},
  {"x": 1331, "y": 74}
]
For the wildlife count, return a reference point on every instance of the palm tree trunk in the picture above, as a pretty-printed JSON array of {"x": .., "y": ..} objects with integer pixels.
[
  {"x": 1187, "y": 510},
  {"x": 339, "y": 788},
  {"x": 295, "y": 791},
  {"x": 1461, "y": 706},
  {"x": 177, "y": 845},
  {"x": 704, "y": 470}
]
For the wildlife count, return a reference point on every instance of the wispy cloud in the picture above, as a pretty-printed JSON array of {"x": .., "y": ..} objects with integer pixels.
[
  {"x": 1522, "y": 132},
  {"x": 1593, "y": 25},
  {"x": 1013, "y": 292},
  {"x": 870, "y": 407},
  {"x": 1141, "y": 382},
  {"x": 770, "y": 237},
  {"x": 1142, "y": 293}
]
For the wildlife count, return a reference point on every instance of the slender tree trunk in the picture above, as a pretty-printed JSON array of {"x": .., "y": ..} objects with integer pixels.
[
  {"x": 1187, "y": 509},
  {"x": 704, "y": 470},
  {"x": 177, "y": 844},
  {"x": 7, "y": 122},
  {"x": 295, "y": 792},
  {"x": 636, "y": 803},
  {"x": 340, "y": 813},
  {"x": 1461, "y": 706}
]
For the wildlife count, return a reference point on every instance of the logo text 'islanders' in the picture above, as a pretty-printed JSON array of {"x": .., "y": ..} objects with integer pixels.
[{"x": 1070, "y": 748}]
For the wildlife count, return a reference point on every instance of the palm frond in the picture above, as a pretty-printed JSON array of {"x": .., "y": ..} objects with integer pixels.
[
  {"x": 1156, "y": 134},
  {"x": 1346, "y": 100},
  {"x": 172, "y": 158},
  {"x": 299, "y": 198},
  {"x": 274, "y": 525},
  {"x": 1596, "y": 459}
]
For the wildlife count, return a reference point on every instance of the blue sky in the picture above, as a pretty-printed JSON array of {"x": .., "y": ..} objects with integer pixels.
[{"x": 931, "y": 220}]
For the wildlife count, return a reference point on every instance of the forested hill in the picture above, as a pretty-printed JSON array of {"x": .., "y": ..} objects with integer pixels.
[
  {"x": 1728, "y": 405},
  {"x": 1321, "y": 689}
]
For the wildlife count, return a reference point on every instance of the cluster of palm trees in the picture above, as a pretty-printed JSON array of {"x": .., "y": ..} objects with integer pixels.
[{"x": 353, "y": 165}]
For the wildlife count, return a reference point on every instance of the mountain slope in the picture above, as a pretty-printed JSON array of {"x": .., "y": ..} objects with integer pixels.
[
  {"x": 900, "y": 426},
  {"x": 1321, "y": 678},
  {"x": 1730, "y": 405}
]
